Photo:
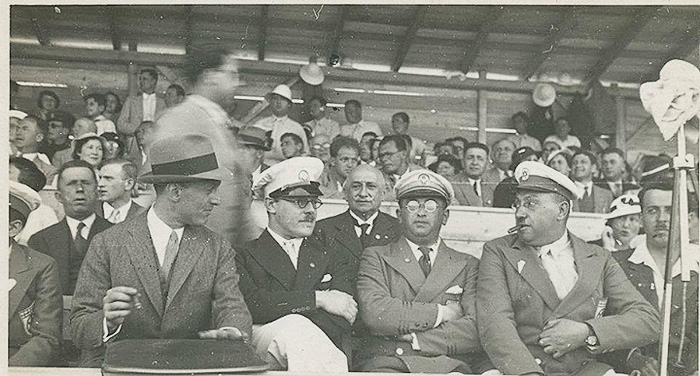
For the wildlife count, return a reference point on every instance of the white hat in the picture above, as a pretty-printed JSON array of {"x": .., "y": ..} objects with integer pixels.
[
  {"x": 281, "y": 90},
  {"x": 311, "y": 74},
  {"x": 18, "y": 114},
  {"x": 535, "y": 176},
  {"x": 291, "y": 173},
  {"x": 544, "y": 95},
  {"x": 624, "y": 205},
  {"x": 423, "y": 183},
  {"x": 23, "y": 199}
]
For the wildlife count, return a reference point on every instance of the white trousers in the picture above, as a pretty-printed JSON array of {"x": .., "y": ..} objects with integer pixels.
[{"x": 296, "y": 344}]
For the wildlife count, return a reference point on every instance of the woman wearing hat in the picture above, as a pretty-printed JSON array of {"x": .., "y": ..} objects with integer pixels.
[
  {"x": 561, "y": 161},
  {"x": 623, "y": 224},
  {"x": 114, "y": 146},
  {"x": 446, "y": 165},
  {"x": 90, "y": 148}
]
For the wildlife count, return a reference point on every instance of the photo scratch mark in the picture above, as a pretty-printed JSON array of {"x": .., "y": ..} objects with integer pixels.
[{"x": 317, "y": 14}]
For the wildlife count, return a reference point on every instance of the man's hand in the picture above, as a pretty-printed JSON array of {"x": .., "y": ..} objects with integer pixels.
[
  {"x": 645, "y": 365},
  {"x": 118, "y": 303},
  {"x": 451, "y": 311},
  {"x": 562, "y": 335},
  {"x": 405, "y": 338},
  {"x": 608, "y": 239},
  {"x": 229, "y": 333},
  {"x": 337, "y": 303}
]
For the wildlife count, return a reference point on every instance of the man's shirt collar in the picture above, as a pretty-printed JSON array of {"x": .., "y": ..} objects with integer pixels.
[
  {"x": 418, "y": 254},
  {"x": 73, "y": 224},
  {"x": 369, "y": 221}
]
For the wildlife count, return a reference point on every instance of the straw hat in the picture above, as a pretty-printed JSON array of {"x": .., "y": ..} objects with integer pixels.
[
  {"x": 544, "y": 95},
  {"x": 311, "y": 74}
]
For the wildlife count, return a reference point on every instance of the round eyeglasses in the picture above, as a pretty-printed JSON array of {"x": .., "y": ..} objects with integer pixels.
[
  {"x": 429, "y": 206},
  {"x": 302, "y": 202}
]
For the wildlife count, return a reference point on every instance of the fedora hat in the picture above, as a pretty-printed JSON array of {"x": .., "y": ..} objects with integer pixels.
[
  {"x": 544, "y": 95},
  {"x": 183, "y": 158},
  {"x": 282, "y": 90},
  {"x": 311, "y": 74},
  {"x": 253, "y": 136}
]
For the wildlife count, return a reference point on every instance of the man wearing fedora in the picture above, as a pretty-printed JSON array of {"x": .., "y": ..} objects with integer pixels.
[
  {"x": 298, "y": 291},
  {"x": 548, "y": 303},
  {"x": 163, "y": 274},
  {"x": 35, "y": 305},
  {"x": 254, "y": 144},
  {"x": 279, "y": 122}
]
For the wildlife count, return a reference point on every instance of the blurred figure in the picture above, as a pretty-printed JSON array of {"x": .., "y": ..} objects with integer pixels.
[
  {"x": 560, "y": 160},
  {"x": 623, "y": 224},
  {"x": 399, "y": 123},
  {"x": 366, "y": 143},
  {"x": 549, "y": 147},
  {"x": 459, "y": 144},
  {"x": 447, "y": 165},
  {"x": 144, "y": 106},
  {"x": 321, "y": 123},
  {"x": 59, "y": 125},
  {"x": 114, "y": 146},
  {"x": 47, "y": 101},
  {"x": 320, "y": 146},
  {"x": 345, "y": 156},
  {"x": 521, "y": 122},
  {"x": 561, "y": 135},
  {"x": 174, "y": 95},
  {"x": 95, "y": 105},
  {"x": 292, "y": 145},
  {"x": 143, "y": 134},
  {"x": 113, "y": 106},
  {"x": 30, "y": 134},
  {"x": 26, "y": 172},
  {"x": 253, "y": 142},
  {"x": 356, "y": 126}
]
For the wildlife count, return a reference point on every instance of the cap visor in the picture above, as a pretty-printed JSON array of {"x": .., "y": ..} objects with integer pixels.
[{"x": 423, "y": 192}]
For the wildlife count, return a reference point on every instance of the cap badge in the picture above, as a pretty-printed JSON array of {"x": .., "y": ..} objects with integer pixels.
[
  {"x": 424, "y": 179},
  {"x": 524, "y": 175},
  {"x": 303, "y": 176}
]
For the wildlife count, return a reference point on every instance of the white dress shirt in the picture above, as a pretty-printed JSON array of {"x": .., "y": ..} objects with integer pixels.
[
  {"x": 585, "y": 186},
  {"x": 73, "y": 225},
  {"x": 360, "y": 221},
  {"x": 33, "y": 156},
  {"x": 121, "y": 212},
  {"x": 558, "y": 260},
  {"x": 149, "y": 107},
  {"x": 357, "y": 130},
  {"x": 290, "y": 246},
  {"x": 478, "y": 185}
]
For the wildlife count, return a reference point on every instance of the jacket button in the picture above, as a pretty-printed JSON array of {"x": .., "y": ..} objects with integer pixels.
[
  {"x": 399, "y": 351},
  {"x": 538, "y": 361}
]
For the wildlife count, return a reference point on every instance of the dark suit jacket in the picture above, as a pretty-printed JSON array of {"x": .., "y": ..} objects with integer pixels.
[
  {"x": 395, "y": 298},
  {"x": 627, "y": 185},
  {"x": 56, "y": 241},
  {"x": 36, "y": 296},
  {"x": 273, "y": 288},
  {"x": 465, "y": 195},
  {"x": 337, "y": 233},
  {"x": 134, "y": 211},
  {"x": 203, "y": 292},
  {"x": 516, "y": 298},
  {"x": 642, "y": 277},
  {"x": 601, "y": 200}
]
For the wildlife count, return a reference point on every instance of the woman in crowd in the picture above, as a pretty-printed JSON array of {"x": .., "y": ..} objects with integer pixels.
[
  {"x": 90, "y": 148},
  {"x": 560, "y": 160},
  {"x": 623, "y": 224},
  {"x": 46, "y": 102},
  {"x": 446, "y": 165}
]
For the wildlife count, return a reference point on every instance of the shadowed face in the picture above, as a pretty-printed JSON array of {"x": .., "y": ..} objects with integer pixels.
[
  {"x": 197, "y": 200},
  {"x": 656, "y": 217}
]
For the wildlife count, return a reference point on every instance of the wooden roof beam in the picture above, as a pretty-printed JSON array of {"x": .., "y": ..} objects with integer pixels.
[
  {"x": 639, "y": 20},
  {"x": 38, "y": 28},
  {"x": 262, "y": 35},
  {"x": 416, "y": 22},
  {"x": 565, "y": 23},
  {"x": 472, "y": 51},
  {"x": 111, "y": 15},
  {"x": 338, "y": 30}
]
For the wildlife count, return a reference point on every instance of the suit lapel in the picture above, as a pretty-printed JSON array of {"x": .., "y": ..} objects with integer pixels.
[
  {"x": 383, "y": 230},
  {"x": 22, "y": 274},
  {"x": 311, "y": 265},
  {"x": 98, "y": 226},
  {"x": 532, "y": 272},
  {"x": 143, "y": 257},
  {"x": 446, "y": 267},
  {"x": 404, "y": 262},
  {"x": 346, "y": 234},
  {"x": 589, "y": 267},
  {"x": 191, "y": 248},
  {"x": 271, "y": 257}
]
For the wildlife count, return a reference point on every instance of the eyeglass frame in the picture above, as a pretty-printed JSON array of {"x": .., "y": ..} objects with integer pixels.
[
  {"x": 423, "y": 205},
  {"x": 303, "y": 201}
]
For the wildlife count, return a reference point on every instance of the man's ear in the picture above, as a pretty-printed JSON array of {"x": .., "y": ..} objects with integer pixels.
[
  {"x": 129, "y": 184},
  {"x": 59, "y": 197},
  {"x": 174, "y": 191},
  {"x": 445, "y": 216},
  {"x": 39, "y": 137},
  {"x": 564, "y": 209},
  {"x": 270, "y": 205},
  {"x": 15, "y": 227}
]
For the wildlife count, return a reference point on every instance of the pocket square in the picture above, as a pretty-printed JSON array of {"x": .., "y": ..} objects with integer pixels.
[
  {"x": 326, "y": 278},
  {"x": 456, "y": 290},
  {"x": 521, "y": 265},
  {"x": 12, "y": 284}
]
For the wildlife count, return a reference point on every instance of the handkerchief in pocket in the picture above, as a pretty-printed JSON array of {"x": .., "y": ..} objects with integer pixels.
[
  {"x": 11, "y": 284},
  {"x": 456, "y": 290}
]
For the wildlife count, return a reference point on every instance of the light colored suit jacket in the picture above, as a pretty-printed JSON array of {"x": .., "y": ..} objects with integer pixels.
[
  {"x": 465, "y": 195},
  {"x": 132, "y": 113},
  {"x": 602, "y": 198},
  {"x": 516, "y": 298},
  {"x": 395, "y": 298},
  {"x": 35, "y": 308},
  {"x": 203, "y": 291}
]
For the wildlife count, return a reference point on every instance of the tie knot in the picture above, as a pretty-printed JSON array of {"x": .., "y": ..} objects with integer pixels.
[
  {"x": 363, "y": 226},
  {"x": 81, "y": 226},
  {"x": 425, "y": 251}
]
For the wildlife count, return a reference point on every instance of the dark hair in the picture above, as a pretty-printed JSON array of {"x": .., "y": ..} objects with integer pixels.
[
  {"x": 354, "y": 102},
  {"x": 202, "y": 58},
  {"x": 63, "y": 117},
  {"x": 662, "y": 185},
  {"x": 119, "y": 101},
  {"x": 477, "y": 145},
  {"x": 449, "y": 158},
  {"x": 128, "y": 167},
  {"x": 320, "y": 100},
  {"x": 40, "y": 124},
  {"x": 99, "y": 98},
  {"x": 522, "y": 115},
  {"x": 371, "y": 134},
  {"x": 611, "y": 150},
  {"x": 397, "y": 139},
  {"x": 520, "y": 154},
  {"x": 29, "y": 174},
  {"x": 458, "y": 138},
  {"x": 178, "y": 89},
  {"x": 344, "y": 142},
  {"x": 294, "y": 136},
  {"x": 50, "y": 94},
  {"x": 567, "y": 157},
  {"x": 151, "y": 72},
  {"x": 113, "y": 137},
  {"x": 438, "y": 145},
  {"x": 401, "y": 115},
  {"x": 78, "y": 145},
  {"x": 73, "y": 164},
  {"x": 591, "y": 157}
]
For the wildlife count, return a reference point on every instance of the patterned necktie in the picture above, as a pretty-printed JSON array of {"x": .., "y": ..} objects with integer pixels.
[
  {"x": 424, "y": 261},
  {"x": 170, "y": 254},
  {"x": 81, "y": 243},
  {"x": 476, "y": 188},
  {"x": 113, "y": 217},
  {"x": 364, "y": 237}
]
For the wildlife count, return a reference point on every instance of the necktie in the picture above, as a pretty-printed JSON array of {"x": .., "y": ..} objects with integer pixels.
[
  {"x": 476, "y": 188},
  {"x": 364, "y": 237},
  {"x": 585, "y": 192},
  {"x": 618, "y": 189},
  {"x": 113, "y": 217},
  {"x": 170, "y": 254},
  {"x": 81, "y": 243},
  {"x": 424, "y": 261}
]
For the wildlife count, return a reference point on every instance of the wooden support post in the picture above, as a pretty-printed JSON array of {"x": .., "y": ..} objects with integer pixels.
[
  {"x": 621, "y": 124},
  {"x": 133, "y": 81},
  {"x": 482, "y": 111}
]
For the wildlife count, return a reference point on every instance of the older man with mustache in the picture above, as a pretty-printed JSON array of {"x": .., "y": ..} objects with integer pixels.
[{"x": 299, "y": 293}]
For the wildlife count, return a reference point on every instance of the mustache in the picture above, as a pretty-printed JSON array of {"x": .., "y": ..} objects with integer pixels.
[{"x": 308, "y": 218}]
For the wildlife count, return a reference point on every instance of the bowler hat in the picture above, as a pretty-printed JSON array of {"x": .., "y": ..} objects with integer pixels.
[
  {"x": 253, "y": 136},
  {"x": 183, "y": 158}
]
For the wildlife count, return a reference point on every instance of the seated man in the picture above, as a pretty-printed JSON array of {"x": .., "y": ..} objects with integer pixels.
[
  {"x": 35, "y": 304},
  {"x": 298, "y": 292},
  {"x": 471, "y": 188},
  {"x": 68, "y": 240},
  {"x": 645, "y": 267},
  {"x": 163, "y": 274},
  {"x": 26, "y": 172},
  {"x": 292, "y": 145},
  {"x": 393, "y": 156},
  {"x": 417, "y": 295},
  {"x": 399, "y": 123},
  {"x": 29, "y": 137},
  {"x": 59, "y": 125},
  {"x": 95, "y": 105},
  {"x": 594, "y": 199},
  {"x": 345, "y": 156},
  {"x": 320, "y": 147},
  {"x": 548, "y": 302},
  {"x": 117, "y": 181},
  {"x": 616, "y": 178},
  {"x": 80, "y": 127},
  {"x": 501, "y": 155}
]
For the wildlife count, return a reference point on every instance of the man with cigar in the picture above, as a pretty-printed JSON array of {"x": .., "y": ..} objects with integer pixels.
[
  {"x": 548, "y": 302},
  {"x": 163, "y": 274}
]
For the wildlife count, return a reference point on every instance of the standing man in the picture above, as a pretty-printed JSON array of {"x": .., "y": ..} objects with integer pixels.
[
  {"x": 345, "y": 156},
  {"x": 163, "y": 274},
  {"x": 321, "y": 123},
  {"x": 645, "y": 267},
  {"x": 356, "y": 127},
  {"x": 472, "y": 189},
  {"x": 95, "y": 105},
  {"x": 144, "y": 106},
  {"x": 298, "y": 291},
  {"x": 362, "y": 225},
  {"x": 548, "y": 302},
  {"x": 253, "y": 142},
  {"x": 417, "y": 295},
  {"x": 616, "y": 178},
  {"x": 117, "y": 181},
  {"x": 393, "y": 156},
  {"x": 594, "y": 198},
  {"x": 279, "y": 122},
  {"x": 399, "y": 123},
  {"x": 502, "y": 157},
  {"x": 67, "y": 241},
  {"x": 521, "y": 122}
]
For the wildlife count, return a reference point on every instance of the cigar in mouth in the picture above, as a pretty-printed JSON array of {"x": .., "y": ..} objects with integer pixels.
[{"x": 514, "y": 229}]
